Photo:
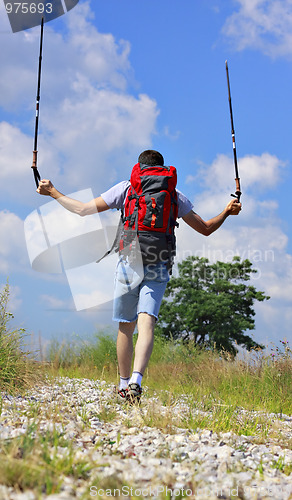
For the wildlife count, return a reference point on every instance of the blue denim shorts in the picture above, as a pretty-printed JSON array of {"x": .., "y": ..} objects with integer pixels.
[{"x": 138, "y": 291}]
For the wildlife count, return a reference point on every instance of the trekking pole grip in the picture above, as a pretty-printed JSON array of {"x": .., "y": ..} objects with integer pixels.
[{"x": 34, "y": 159}]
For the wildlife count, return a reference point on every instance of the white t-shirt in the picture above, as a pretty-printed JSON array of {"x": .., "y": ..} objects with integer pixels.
[{"x": 116, "y": 195}]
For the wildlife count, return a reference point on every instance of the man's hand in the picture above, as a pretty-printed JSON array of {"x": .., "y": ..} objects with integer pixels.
[
  {"x": 45, "y": 187},
  {"x": 233, "y": 207}
]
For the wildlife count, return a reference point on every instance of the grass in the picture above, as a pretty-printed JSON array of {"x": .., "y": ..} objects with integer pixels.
[
  {"x": 214, "y": 386},
  {"x": 257, "y": 382},
  {"x": 18, "y": 370},
  {"x": 39, "y": 461},
  {"x": 281, "y": 466},
  {"x": 94, "y": 360},
  {"x": 107, "y": 414},
  {"x": 221, "y": 419}
]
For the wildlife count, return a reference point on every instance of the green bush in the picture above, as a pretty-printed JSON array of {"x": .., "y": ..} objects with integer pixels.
[{"x": 17, "y": 369}]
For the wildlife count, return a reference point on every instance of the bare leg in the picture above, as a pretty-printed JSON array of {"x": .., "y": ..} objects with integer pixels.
[
  {"x": 125, "y": 348},
  {"x": 144, "y": 343}
]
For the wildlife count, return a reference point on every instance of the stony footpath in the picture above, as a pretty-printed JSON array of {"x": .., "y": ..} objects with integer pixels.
[{"x": 131, "y": 456}]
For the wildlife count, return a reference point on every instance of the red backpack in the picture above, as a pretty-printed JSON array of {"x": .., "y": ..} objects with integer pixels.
[{"x": 150, "y": 212}]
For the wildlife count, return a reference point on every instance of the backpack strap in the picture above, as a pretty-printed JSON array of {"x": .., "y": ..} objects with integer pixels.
[
  {"x": 133, "y": 218},
  {"x": 170, "y": 236},
  {"x": 116, "y": 243}
]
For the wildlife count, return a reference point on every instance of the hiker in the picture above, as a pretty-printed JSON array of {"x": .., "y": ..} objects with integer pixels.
[{"x": 151, "y": 185}]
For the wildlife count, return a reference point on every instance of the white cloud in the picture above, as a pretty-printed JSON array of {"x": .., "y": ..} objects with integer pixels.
[
  {"x": 262, "y": 172},
  {"x": 172, "y": 135},
  {"x": 83, "y": 50},
  {"x": 256, "y": 234},
  {"x": 14, "y": 157},
  {"x": 99, "y": 56},
  {"x": 55, "y": 303},
  {"x": 94, "y": 131},
  {"x": 91, "y": 123},
  {"x": 16, "y": 177},
  {"x": 258, "y": 225},
  {"x": 265, "y": 25},
  {"x": 13, "y": 254},
  {"x": 257, "y": 173}
]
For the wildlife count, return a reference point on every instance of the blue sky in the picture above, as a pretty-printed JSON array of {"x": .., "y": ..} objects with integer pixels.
[{"x": 120, "y": 77}]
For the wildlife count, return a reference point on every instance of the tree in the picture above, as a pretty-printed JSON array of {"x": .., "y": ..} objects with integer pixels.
[{"x": 211, "y": 304}]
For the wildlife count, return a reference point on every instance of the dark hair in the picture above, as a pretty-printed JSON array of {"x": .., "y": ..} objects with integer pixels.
[{"x": 151, "y": 157}]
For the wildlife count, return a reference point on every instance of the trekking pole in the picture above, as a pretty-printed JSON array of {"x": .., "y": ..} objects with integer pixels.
[
  {"x": 36, "y": 174},
  {"x": 237, "y": 179}
]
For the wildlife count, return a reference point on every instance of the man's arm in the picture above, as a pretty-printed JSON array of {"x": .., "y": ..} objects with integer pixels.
[
  {"x": 208, "y": 227},
  {"x": 77, "y": 207}
]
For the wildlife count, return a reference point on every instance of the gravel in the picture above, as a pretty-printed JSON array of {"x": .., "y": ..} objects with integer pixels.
[{"x": 131, "y": 458}]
